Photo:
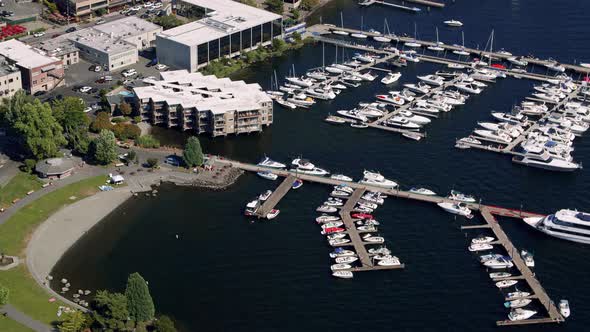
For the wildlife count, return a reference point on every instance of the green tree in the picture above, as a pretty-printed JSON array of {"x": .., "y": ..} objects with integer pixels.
[
  {"x": 296, "y": 36},
  {"x": 249, "y": 2},
  {"x": 139, "y": 300},
  {"x": 100, "y": 12},
  {"x": 72, "y": 321},
  {"x": 101, "y": 122},
  {"x": 168, "y": 21},
  {"x": 152, "y": 162},
  {"x": 131, "y": 156},
  {"x": 164, "y": 324},
  {"x": 125, "y": 131},
  {"x": 296, "y": 13},
  {"x": 110, "y": 311},
  {"x": 309, "y": 4},
  {"x": 279, "y": 45},
  {"x": 4, "y": 295},
  {"x": 104, "y": 147},
  {"x": 275, "y": 6},
  {"x": 125, "y": 108},
  {"x": 193, "y": 154},
  {"x": 148, "y": 142},
  {"x": 69, "y": 112},
  {"x": 29, "y": 165}
]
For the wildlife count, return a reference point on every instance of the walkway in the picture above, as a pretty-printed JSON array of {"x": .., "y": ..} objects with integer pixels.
[{"x": 25, "y": 320}]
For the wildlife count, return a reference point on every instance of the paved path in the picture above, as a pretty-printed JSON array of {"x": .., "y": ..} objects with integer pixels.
[{"x": 25, "y": 320}]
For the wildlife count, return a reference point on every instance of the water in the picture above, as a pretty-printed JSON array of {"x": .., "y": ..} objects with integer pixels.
[{"x": 224, "y": 273}]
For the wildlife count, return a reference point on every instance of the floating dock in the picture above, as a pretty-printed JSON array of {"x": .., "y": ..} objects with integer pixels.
[
  {"x": 368, "y": 3},
  {"x": 275, "y": 197}
]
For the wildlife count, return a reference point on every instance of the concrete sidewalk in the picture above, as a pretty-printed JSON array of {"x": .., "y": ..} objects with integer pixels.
[{"x": 25, "y": 320}]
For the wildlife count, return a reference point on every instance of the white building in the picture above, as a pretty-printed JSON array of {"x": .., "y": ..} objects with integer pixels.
[
  {"x": 223, "y": 28},
  {"x": 204, "y": 104},
  {"x": 10, "y": 79}
]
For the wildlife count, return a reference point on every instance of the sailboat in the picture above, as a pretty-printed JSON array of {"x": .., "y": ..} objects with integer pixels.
[
  {"x": 414, "y": 42},
  {"x": 340, "y": 32},
  {"x": 383, "y": 38},
  {"x": 462, "y": 50},
  {"x": 359, "y": 35},
  {"x": 437, "y": 47}
]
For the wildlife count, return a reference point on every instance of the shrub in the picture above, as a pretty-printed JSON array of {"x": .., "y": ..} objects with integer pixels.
[
  {"x": 125, "y": 131},
  {"x": 101, "y": 122},
  {"x": 29, "y": 165},
  {"x": 147, "y": 141},
  {"x": 4, "y": 295}
]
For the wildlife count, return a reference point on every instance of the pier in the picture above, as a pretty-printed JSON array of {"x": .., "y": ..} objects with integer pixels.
[
  {"x": 368, "y": 3},
  {"x": 275, "y": 197}
]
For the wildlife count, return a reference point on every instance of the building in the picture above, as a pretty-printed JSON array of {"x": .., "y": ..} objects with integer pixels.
[
  {"x": 10, "y": 80},
  {"x": 222, "y": 28},
  {"x": 204, "y": 104},
  {"x": 55, "y": 168},
  {"x": 291, "y": 4},
  {"x": 113, "y": 45},
  {"x": 38, "y": 72},
  {"x": 85, "y": 8}
]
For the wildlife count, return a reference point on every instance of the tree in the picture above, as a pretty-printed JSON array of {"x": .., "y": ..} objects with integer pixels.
[
  {"x": 296, "y": 36},
  {"x": 275, "y": 6},
  {"x": 69, "y": 112},
  {"x": 101, "y": 122},
  {"x": 110, "y": 311},
  {"x": 139, "y": 300},
  {"x": 296, "y": 13},
  {"x": 168, "y": 21},
  {"x": 278, "y": 45},
  {"x": 147, "y": 141},
  {"x": 100, "y": 12},
  {"x": 125, "y": 131},
  {"x": 249, "y": 2},
  {"x": 193, "y": 154},
  {"x": 131, "y": 156},
  {"x": 164, "y": 324},
  {"x": 152, "y": 162},
  {"x": 309, "y": 4},
  {"x": 104, "y": 147},
  {"x": 125, "y": 108},
  {"x": 72, "y": 321},
  {"x": 29, "y": 165},
  {"x": 4, "y": 295}
]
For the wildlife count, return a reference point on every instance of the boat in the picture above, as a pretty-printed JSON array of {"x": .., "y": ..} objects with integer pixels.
[
  {"x": 300, "y": 81},
  {"x": 402, "y": 122},
  {"x": 338, "y": 242},
  {"x": 340, "y": 32},
  {"x": 564, "y": 308},
  {"x": 332, "y": 224},
  {"x": 343, "y": 274},
  {"x": 317, "y": 75},
  {"x": 528, "y": 258},
  {"x": 496, "y": 136},
  {"x": 344, "y": 187},
  {"x": 341, "y": 177},
  {"x": 453, "y": 23},
  {"x": 412, "y": 136},
  {"x": 334, "y": 70},
  {"x": 495, "y": 275},
  {"x": 341, "y": 266},
  {"x": 432, "y": 80},
  {"x": 374, "y": 239},
  {"x": 368, "y": 204},
  {"x": 468, "y": 87},
  {"x": 391, "y": 78},
  {"x": 422, "y": 191},
  {"x": 458, "y": 196},
  {"x": 510, "y": 118},
  {"x": 285, "y": 103},
  {"x": 333, "y": 234},
  {"x": 264, "y": 196},
  {"x": 469, "y": 140},
  {"x": 437, "y": 46},
  {"x": 379, "y": 251},
  {"x": 334, "y": 119},
  {"x": 359, "y": 125},
  {"x": 267, "y": 162},
  {"x": 520, "y": 314},
  {"x": 517, "y": 294},
  {"x": 413, "y": 43},
  {"x": 367, "y": 228},
  {"x": 253, "y": 205},
  {"x": 498, "y": 263},
  {"x": 326, "y": 218},
  {"x": 417, "y": 119},
  {"x": 273, "y": 214},
  {"x": 518, "y": 61},
  {"x": 333, "y": 203},
  {"x": 391, "y": 100},
  {"x": 267, "y": 175},
  {"x": 456, "y": 66},
  {"x": 346, "y": 259},
  {"x": 358, "y": 35},
  {"x": 339, "y": 193},
  {"x": 565, "y": 224},
  {"x": 517, "y": 303},
  {"x": 456, "y": 208},
  {"x": 340, "y": 252},
  {"x": 547, "y": 162},
  {"x": 362, "y": 216},
  {"x": 373, "y": 199},
  {"x": 389, "y": 261},
  {"x": 382, "y": 39},
  {"x": 482, "y": 239},
  {"x": 555, "y": 66},
  {"x": 376, "y": 179},
  {"x": 326, "y": 209},
  {"x": 420, "y": 87},
  {"x": 353, "y": 114},
  {"x": 297, "y": 184},
  {"x": 407, "y": 57},
  {"x": 480, "y": 247}
]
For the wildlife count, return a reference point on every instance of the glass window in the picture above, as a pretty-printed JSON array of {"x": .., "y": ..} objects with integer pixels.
[
  {"x": 213, "y": 49},
  {"x": 266, "y": 32},
  {"x": 246, "y": 34},
  {"x": 225, "y": 45},
  {"x": 202, "y": 53},
  {"x": 235, "y": 42}
]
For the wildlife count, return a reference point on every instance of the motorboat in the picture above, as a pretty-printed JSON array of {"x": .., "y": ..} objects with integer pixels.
[
  {"x": 332, "y": 224},
  {"x": 302, "y": 164},
  {"x": 343, "y": 67},
  {"x": 379, "y": 251},
  {"x": 391, "y": 261},
  {"x": 335, "y": 120},
  {"x": 565, "y": 224},
  {"x": 374, "y": 239},
  {"x": 517, "y": 303},
  {"x": 487, "y": 257},
  {"x": 513, "y": 130},
  {"x": 382, "y": 39},
  {"x": 285, "y": 103},
  {"x": 420, "y": 87},
  {"x": 496, "y": 275},
  {"x": 338, "y": 242},
  {"x": 391, "y": 100},
  {"x": 545, "y": 161},
  {"x": 474, "y": 247},
  {"x": 564, "y": 308},
  {"x": 453, "y": 23},
  {"x": 334, "y": 70},
  {"x": 326, "y": 209},
  {"x": 317, "y": 75},
  {"x": 555, "y": 66},
  {"x": 362, "y": 216},
  {"x": 326, "y": 218},
  {"x": 367, "y": 228},
  {"x": 267, "y": 162},
  {"x": 458, "y": 196},
  {"x": 340, "y": 266},
  {"x": 333, "y": 235},
  {"x": 546, "y": 97},
  {"x": 340, "y": 252},
  {"x": 346, "y": 259},
  {"x": 339, "y": 193},
  {"x": 353, "y": 114},
  {"x": 305, "y": 102},
  {"x": 456, "y": 208},
  {"x": 372, "y": 199},
  {"x": 368, "y": 204},
  {"x": 343, "y": 274},
  {"x": 517, "y": 294},
  {"x": 516, "y": 119},
  {"x": 497, "y": 136},
  {"x": 252, "y": 205},
  {"x": 461, "y": 52},
  {"x": 405, "y": 94},
  {"x": 402, "y": 122},
  {"x": 409, "y": 57},
  {"x": 367, "y": 222},
  {"x": 300, "y": 81},
  {"x": 432, "y": 80},
  {"x": 469, "y": 140},
  {"x": 344, "y": 187},
  {"x": 391, "y": 78},
  {"x": 518, "y": 61},
  {"x": 265, "y": 195},
  {"x": 412, "y": 135},
  {"x": 422, "y": 191},
  {"x": 273, "y": 214},
  {"x": 297, "y": 184},
  {"x": 520, "y": 314},
  {"x": 366, "y": 58},
  {"x": 376, "y": 179},
  {"x": 482, "y": 239},
  {"x": 506, "y": 283},
  {"x": 363, "y": 209},
  {"x": 528, "y": 258},
  {"x": 423, "y": 107},
  {"x": 417, "y": 119},
  {"x": 499, "y": 263},
  {"x": 358, "y": 35},
  {"x": 333, "y": 203},
  {"x": 467, "y": 87},
  {"x": 485, "y": 74},
  {"x": 340, "y": 32},
  {"x": 268, "y": 175},
  {"x": 456, "y": 66}
]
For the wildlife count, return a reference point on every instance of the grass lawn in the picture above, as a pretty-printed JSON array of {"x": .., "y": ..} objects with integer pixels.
[
  {"x": 25, "y": 294},
  {"x": 18, "y": 187},
  {"x": 9, "y": 325}
]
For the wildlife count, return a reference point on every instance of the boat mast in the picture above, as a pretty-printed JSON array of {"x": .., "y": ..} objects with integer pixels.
[
  {"x": 323, "y": 56},
  {"x": 437, "y": 43},
  {"x": 491, "y": 47},
  {"x": 341, "y": 21},
  {"x": 362, "y": 23}
]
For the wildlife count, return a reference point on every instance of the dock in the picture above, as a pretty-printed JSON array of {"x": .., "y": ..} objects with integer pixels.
[
  {"x": 275, "y": 197},
  {"x": 368, "y": 3}
]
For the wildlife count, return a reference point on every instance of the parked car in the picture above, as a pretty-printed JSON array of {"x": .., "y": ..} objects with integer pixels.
[
  {"x": 71, "y": 29},
  {"x": 39, "y": 34},
  {"x": 95, "y": 68},
  {"x": 100, "y": 21},
  {"x": 108, "y": 78},
  {"x": 39, "y": 93},
  {"x": 94, "y": 90},
  {"x": 85, "y": 89},
  {"x": 161, "y": 67},
  {"x": 129, "y": 73},
  {"x": 88, "y": 109}
]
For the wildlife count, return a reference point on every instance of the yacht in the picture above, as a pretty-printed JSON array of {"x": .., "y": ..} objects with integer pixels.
[
  {"x": 376, "y": 179},
  {"x": 344, "y": 187},
  {"x": 340, "y": 32},
  {"x": 469, "y": 140},
  {"x": 485, "y": 258},
  {"x": 545, "y": 161},
  {"x": 458, "y": 196},
  {"x": 564, "y": 308},
  {"x": 467, "y": 87},
  {"x": 394, "y": 100},
  {"x": 518, "y": 61},
  {"x": 565, "y": 224},
  {"x": 480, "y": 247},
  {"x": 432, "y": 80},
  {"x": 517, "y": 294},
  {"x": 366, "y": 58},
  {"x": 402, "y": 122},
  {"x": 482, "y": 239},
  {"x": 547, "y": 97},
  {"x": 326, "y": 218},
  {"x": 453, "y": 23},
  {"x": 268, "y": 175},
  {"x": 341, "y": 177},
  {"x": 456, "y": 208},
  {"x": 339, "y": 193},
  {"x": 517, "y": 303},
  {"x": 300, "y": 81},
  {"x": 528, "y": 258},
  {"x": 374, "y": 239},
  {"x": 389, "y": 261},
  {"x": 506, "y": 283},
  {"x": 422, "y": 191},
  {"x": 301, "y": 164},
  {"x": 498, "y": 263},
  {"x": 497, "y": 136},
  {"x": 512, "y": 130},
  {"x": 341, "y": 266},
  {"x": 520, "y": 314},
  {"x": 358, "y": 35},
  {"x": 412, "y": 135},
  {"x": 373, "y": 199},
  {"x": 346, "y": 259},
  {"x": 367, "y": 228},
  {"x": 510, "y": 118},
  {"x": 417, "y": 119},
  {"x": 267, "y": 162},
  {"x": 339, "y": 252},
  {"x": 285, "y": 103},
  {"x": 353, "y": 114},
  {"x": 265, "y": 195},
  {"x": 423, "y": 107},
  {"x": 495, "y": 275},
  {"x": 334, "y": 70},
  {"x": 391, "y": 78},
  {"x": 326, "y": 209},
  {"x": 334, "y": 234},
  {"x": 382, "y": 39},
  {"x": 335, "y": 119},
  {"x": 408, "y": 57},
  {"x": 456, "y": 66},
  {"x": 273, "y": 214},
  {"x": 338, "y": 242},
  {"x": 379, "y": 251},
  {"x": 343, "y": 274},
  {"x": 420, "y": 87},
  {"x": 317, "y": 75},
  {"x": 554, "y": 66}
]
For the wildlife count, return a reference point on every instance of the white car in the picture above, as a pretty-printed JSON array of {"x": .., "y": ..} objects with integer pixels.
[
  {"x": 88, "y": 109},
  {"x": 136, "y": 8},
  {"x": 161, "y": 67},
  {"x": 157, "y": 5},
  {"x": 39, "y": 34},
  {"x": 100, "y": 21},
  {"x": 147, "y": 4},
  {"x": 129, "y": 73},
  {"x": 85, "y": 89},
  {"x": 108, "y": 78}
]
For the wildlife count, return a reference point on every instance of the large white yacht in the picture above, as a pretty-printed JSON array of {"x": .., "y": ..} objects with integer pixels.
[
  {"x": 267, "y": 162},
  {"x": 565, "y": 224},
  {"x": 545, "y": 161},
  {"x": 376, "y": 179}
]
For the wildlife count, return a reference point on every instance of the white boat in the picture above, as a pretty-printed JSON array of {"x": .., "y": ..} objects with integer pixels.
[
  {"x": 326, "y": 218},
  {"x": 332, "y": 224},
  {"x": 339, "y": 252},
  {"x": 365, "y": 58},
  {"x": 420, "y": 87},
  {"x": 343, "y": 274},
  {"x": 358, "y": 35},
  {"x": 422, "y": 191},
  {"x": 359, "y": 125},
  {"x": 301, "y": 164},
  {"x": 339, "y": 193},
  {"x": 391, "y": 78},
  {"x": 334, "y": 236},
  {"x": 264, "y": 196},
  {"x": 461, "y": 52},
  {"x": 379, "y": 251},
  {"x": 432, "y": 80},
  {"x": 273, "y": 214},
  {"x": 417, "y": 119},
  {"x": 367, "y": 228},
  {"x": 374, "y": 239},
  {"x": 267, "y": 162},
  {"x": 506, "y": 283},
  {"x": 337, "y": 267},
  {"x": 470, "y": 140},
  {"x": 326, "y": 209},
  {"x": 253, "y": 204},
  {"x": 474, "y": 247},
  {"x": 390, "y": 261},
  {"x": 368, "y": 204},
  {"x": 467, "y": 87},
  {"x": 346, "y": 259},
  {"x": 497, "y": 136},
  {"x": 267, "y": 175},
  {"x": 520, "y": 314},
  {"x": 334, "y": 70},
  {"x": 517, "y": 303},
  {"x": 453, "y": 23},
  {"x": 335, "y": 119},
  {"x": 402, "y": 122},
  {"x": 338, "y": 242},
  {"x": 518, "y": 61},
  {"x": 498, "y": 263},
  {"x": 510, "y": 118},
  {"x": 300, "y": 81},
  {"x": 456, "y": 66},
  {"x": 412, "y": 135},
  {"x": 341, "y": 177},
  {"x": 382, "y": 39},
  {"x": 413, "y": 44},
  {"x": 373, "y": 199},
  {"x": 344, "y": 187},
  {"x": 353, "y": 114},
  {"x": 458, "y": 196},
  {"x": 528, "y": 258},
  {"x": 285, "y": 103},
  {"x": 545, "y": 161},
  {"x": 495, "y": 275},
  {"x": 517, "y": 294},
  {"x": 564, "y": 308},
  {"x": 391, "y": 100},
  {"x": 565, "y": 224},
  {"x": 456, "y": 208},
  {"x": 488, "y": 257},
  {"x": 317, "y": 75},
  {"x": 376, "y": 179},
  {"x": 482, "y": 239},
  {"x": 340, "y": 32},
  {"x": 554, "y": 66},
  {"x": 316, "y": 171},
  {"x": 334, "y": 203}
]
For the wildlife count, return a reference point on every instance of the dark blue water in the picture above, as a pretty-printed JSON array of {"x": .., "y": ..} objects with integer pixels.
[{"x": 225, "y": 273}]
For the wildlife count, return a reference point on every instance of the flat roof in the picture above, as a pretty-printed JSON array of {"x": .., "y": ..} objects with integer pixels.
[
  {"x": 5, "y": 66},
  {"x": 24, "y": 55},
  {"x": 127, "y": 27},
  {"x": 224, "y": 18}
]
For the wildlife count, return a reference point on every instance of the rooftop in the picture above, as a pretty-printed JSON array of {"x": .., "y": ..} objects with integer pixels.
[
  {"x": 224, "y": 17},
  {"x": 24, "y": 55},
  {"x": 54, "y": 166},
  {"x": 6, "y": 67},
  {"x": 126, "y": 27},
  {"x": 205, "y": 93}
]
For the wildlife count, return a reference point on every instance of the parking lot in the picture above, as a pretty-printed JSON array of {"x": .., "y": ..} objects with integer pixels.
[{"x": 22, "y": 8}]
